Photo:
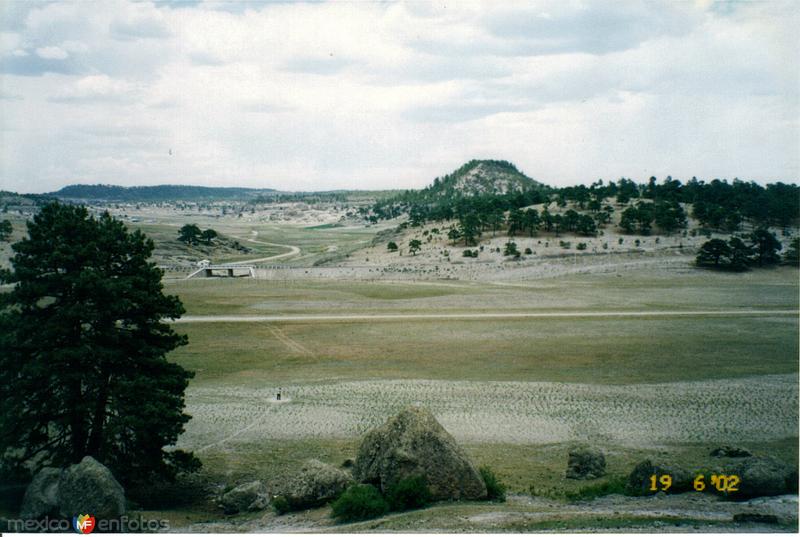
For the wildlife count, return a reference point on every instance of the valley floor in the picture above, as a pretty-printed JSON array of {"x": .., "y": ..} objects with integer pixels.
[{"x": 664, "y": 364}]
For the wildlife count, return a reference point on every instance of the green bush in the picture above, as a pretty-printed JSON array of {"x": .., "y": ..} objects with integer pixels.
[
  {"x": 409, "y": 493},
  {"x": 496, "y": 491},
  {"x": 613, "y": 485},
  {"x": 359, "y": 502},
  {"x": 281, "y": 505}
]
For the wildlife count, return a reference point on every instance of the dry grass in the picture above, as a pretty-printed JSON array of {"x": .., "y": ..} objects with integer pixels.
[{"x": 590, "y": 350}]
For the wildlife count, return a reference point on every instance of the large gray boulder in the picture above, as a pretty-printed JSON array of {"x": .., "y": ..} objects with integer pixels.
[
  {"x": 586, "y": 463},
  {"x": 639, "y": 480},
  {"x": 315, "y": 484},
  {"x": 89, "y": 488},
  {"x": 41, "y": 496},
  {"x": 763, "y": 476},
  {"x": 252, "y": 496},
  {"x": 414, "y": 443}
]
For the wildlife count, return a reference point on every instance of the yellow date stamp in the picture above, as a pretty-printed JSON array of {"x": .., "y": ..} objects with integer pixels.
[{"x": 720, "y": 482}]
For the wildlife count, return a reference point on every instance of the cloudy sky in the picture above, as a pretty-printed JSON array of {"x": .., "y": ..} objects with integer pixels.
[{"x": 318, "y": 96}]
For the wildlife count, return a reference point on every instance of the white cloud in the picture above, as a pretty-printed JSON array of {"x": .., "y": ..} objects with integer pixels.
[
  {"x": 52, "y": 53},
  {"x": 372, "y": 95},
  {"x": 94, "y": 89}
]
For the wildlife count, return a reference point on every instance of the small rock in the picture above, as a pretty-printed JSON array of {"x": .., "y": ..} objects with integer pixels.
[
  {"x": 586, "y": 463},
  {"x": 89, "y": 487},
  {"x": 315, "y": 484},
  {"x": 640, "y": 482},
  {"x": 763, "y": 476},
  {"x": 252, "y": 496},
  {"x": 41, "y": 496},
  {"x": 755, "y": 517},
  {"x": 730, "y": 451}
]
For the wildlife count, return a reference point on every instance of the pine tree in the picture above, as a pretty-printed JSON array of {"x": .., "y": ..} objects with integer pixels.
[{"x": 82, "y": 350}]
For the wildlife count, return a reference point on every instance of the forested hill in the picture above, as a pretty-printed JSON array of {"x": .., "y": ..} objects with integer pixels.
[
  {"x": 486, "y": 189},
  {"x": 481, "y": 178},
  {"x": 157, "y": 193}
]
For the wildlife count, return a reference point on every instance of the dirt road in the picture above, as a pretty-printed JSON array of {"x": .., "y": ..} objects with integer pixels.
[
  {"x": 366, "y": 317},
  {"x": 293, "y": 250}
]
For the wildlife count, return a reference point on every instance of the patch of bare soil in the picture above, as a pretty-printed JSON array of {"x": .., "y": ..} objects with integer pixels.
[{"x": 760, "y": 408}]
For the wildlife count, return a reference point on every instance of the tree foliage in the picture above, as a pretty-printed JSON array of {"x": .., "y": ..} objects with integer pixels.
[
  {"x": 82, "y": 350},
  {"x": 5, "y": 230},
  {"x": 737, "y": 255}
]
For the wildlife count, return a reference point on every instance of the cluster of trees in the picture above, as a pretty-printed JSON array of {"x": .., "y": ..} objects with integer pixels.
[
  {"x": 668, "y": 215},
  {"x": 718, "y": 205},
  {"x": 193, "y": 235},
  {"x": 83, "y": 344},
  {"x": 5, "y": 230},
  {"x": 761, "y": 249}
]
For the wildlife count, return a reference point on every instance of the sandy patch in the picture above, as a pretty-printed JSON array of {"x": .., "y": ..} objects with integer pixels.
[{"x": 729, "y": 410}]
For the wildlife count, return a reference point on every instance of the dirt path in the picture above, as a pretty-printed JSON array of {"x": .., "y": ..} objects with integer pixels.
[
  {"x": 293, "y": 250},
  {"x": 288, "y": 342},
  {"x": 480, "y": 315}
]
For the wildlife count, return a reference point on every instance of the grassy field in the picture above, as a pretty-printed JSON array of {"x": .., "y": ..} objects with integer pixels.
[
  {"x": 687, "y": 290},
  {"x": 316, "y": 243},
  {"x": 517, "y": 393},
  {"x": 593, "y": 350},
  {"x": 584, "y": 350}
]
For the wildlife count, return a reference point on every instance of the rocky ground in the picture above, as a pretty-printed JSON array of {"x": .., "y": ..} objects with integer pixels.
[{"x": 679, "y": 513}]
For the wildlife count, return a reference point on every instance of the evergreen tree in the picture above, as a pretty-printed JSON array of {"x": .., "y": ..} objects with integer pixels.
[
  {"x": 82, "y": 350},
  {"x": 739, "y": 254},
  {"x": 208, "y": 235},
  {"x": 516, "y": 222},
  {"x": 532, "y": 221},
  {"x": 5, "y": 230},
  {"x": 190, "y": 234},
  {"x": 765, "y": 247},
  {"x": 792, "y": 256},
  {"x": 714, "y": 253}
]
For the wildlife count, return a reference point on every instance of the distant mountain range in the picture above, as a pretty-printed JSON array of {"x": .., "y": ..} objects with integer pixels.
[
  {"x": 475, "y": 178},
  {"x": 158, "y": 193}
]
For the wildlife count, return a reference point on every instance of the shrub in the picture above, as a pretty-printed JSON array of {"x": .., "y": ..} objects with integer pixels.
[
  {"x": 528, "y": 251},
  {"x": 620, "y": 240},
  {"x": 565, "y": 244},
  {"x": 359, "y": 502},
  {"x": 613, "y": 485},
  {"x": 496, "y": 491},
  {"x": 409, "y": 493},
  {"x": 281, "y": 505},
  {"x": 581, "y": 246}
]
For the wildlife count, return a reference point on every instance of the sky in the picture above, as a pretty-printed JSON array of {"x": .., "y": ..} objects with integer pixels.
[{"x": 379, "y": 95}]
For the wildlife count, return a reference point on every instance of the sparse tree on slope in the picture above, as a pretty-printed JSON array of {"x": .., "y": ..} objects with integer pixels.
[
  {"x": 190, "y": 234},
  {"x": 208, "y": 235},
  {"x": 5, "y": 230}
]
